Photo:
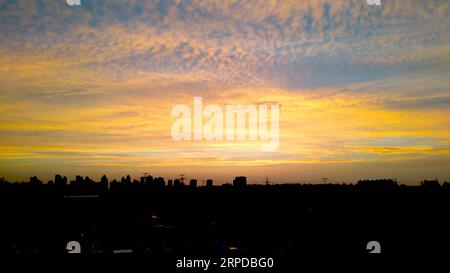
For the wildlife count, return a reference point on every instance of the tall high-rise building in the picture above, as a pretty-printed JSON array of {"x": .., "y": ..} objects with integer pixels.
[{"x": 240, "y": 181}]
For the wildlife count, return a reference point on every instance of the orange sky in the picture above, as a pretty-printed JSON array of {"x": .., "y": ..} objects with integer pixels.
[{"x": 363, "y": 91}]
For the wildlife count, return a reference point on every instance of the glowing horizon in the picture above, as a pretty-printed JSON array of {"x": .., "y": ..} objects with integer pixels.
[{"x": 364, "y": 91}]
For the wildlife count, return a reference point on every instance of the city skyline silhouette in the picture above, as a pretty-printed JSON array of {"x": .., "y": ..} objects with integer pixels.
[
  {"x": 181, "y": 217},
  {"x": 238, "y": 129}
]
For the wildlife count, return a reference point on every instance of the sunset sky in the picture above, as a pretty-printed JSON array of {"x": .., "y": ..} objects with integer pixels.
[{"x": 364, "y": 91}]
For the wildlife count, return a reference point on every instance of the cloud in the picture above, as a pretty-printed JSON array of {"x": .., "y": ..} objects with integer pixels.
[
  {"x": 240, "y": 41},
  {"x": 102, "y": 78}
]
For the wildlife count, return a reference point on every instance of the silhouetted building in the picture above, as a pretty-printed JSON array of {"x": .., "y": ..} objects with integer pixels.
[
  {"x": 149, "y": 180},
  {"x": 209, "y": 182},
  {"x": 159, "y": 182},
  {"x": 35, "y": 181},
  {"x": 240, "y": 181},
  {"x": 79, "y": 179},
  {"x": 430, "y": 184},
  {"x": 378, "y": 184},
  {"x": 104, "y": 186},
  {"x": 60, "y": 180},
  {"x": 114, "y": 185},
  {"x": 128, "y": 179},
  {"x": 193, "y": 183},
  {"x": 104, "y": 179},
  {"x": 177, "y": 183},
  {"x": 169, "y": 183}
]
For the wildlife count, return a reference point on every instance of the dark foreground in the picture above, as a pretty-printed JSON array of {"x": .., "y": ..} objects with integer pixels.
[{"x": 265, "y": 220}]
